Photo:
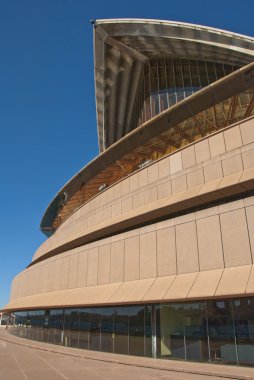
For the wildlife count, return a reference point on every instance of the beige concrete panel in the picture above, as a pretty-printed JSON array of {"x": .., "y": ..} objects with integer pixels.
[
  {"x": 179, "y": 184},
  {"x": 247, "y": 179},
  {"x": 51, "y": 276},
  {"x": 132, "y": 257},
  {"x": 106, "y": 213},
  {"x": 188, "y": 157},
  {"x": 117, "y": 190},
  {"x": 98, "y": 217},
  {"x": 248, "y": 159},
  {"x": 233, "y": 138},
  {"x": 230, "y": 206},
  {"x": 195, "y": 178},
  {"x": 229, "y": 184},
  {"x": 190, "y": 197},
  {"x": 202, "y": 151},
  {"x": 213, "y": 171},
  {"x": 250, "y": 224},
  {"x": 82, "y": 269},
  {"x": 186, "y": 247},
  {"x": 148, "y": 265},
  {"x": 138, "y": 199},
  {"x": 116, "y": 208},
  {"x": 132, "y": 291},
  {"x": 180, "y": 287},
  {"x": 209, "y": 243},
  {"x": 104, "y": 264},
  {"x": 134, "y": 182},
  {"x": 109, "y": 194},
  {"x": 90, "y": 223},
  {"x": 148, "y": 228},
  {"x": 127, "y": 204},
  {"x": 249, "y": 201},
  {"x": 205, "y": 284},
  {"x": 105, "y": 292},
  {"x": 207, "y": 212},
  {"x": 73, "y": 271},
  {"x": 165, "y": 223},
  {"x": 65, "y": 268},
  {"x": 117, "y": 261},
  {"x": 139, "y": 290},
  {"x": 69, "y": 297},
  {"x": 153, "y": 173},
  {"x": 97, "y": 202},
  {"x": 104, "y": 241},
  {"x": 235, "y": 238},
  {"x": 250, "y": 284},
  {"x": 125, "y": 186},
  {"x": 234, "y": 281},
  {"x": 92, "y": 266},
  {"x": 158, "y": 289},
  {"x": 142, "y": 177},
  {"x": 176, "y": 164},
  {"x": 103, "y": 198},
  {"x": 247, "y": 131},
  {"x": 151, "y": 195},
  {"x": 185, "y": 218},
  {"x": 164, "y": 167},
  {"x": 232, "y": 165},
  {"x": 57, "y": 281},
  {"x": 123, "y": 291},
  {"x": 43, "y": 279},
  {"x": 91, "y": 205},
  {"x": 217, "y": 144},
  {"x": 164, "y": 189},
  {"x": 117, "y": 237},
  {"x": 166, "y": 252},
  {"x": 131, "y": 233}
]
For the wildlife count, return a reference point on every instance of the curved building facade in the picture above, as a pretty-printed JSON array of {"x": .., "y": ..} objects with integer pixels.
[{"x": 150, "y": 246}]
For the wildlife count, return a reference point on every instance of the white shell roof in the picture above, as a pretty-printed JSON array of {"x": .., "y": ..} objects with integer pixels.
[{"x": 123, "y": 46}]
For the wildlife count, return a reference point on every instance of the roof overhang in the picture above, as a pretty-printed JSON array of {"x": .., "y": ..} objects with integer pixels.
[{"x": 123, "y": 46}]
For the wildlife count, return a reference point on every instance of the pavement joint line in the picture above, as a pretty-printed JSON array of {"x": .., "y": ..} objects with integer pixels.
[
  {"x": 20, "y": 368},
  {"x": 118, "y": 361}
]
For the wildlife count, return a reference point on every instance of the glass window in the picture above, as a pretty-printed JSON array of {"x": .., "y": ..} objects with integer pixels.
[
  {"x": 221, "y": 331},
  {"x": 107, "y": 329},
  {"x": 121, "y": 330},
  {"x": 243, "y": 309},
  {"x": 84, "y": 328},
  {"x": 136, "y": 330},
  {"x": 183, "y": 331},
  {"x": 95, "y": 329}
]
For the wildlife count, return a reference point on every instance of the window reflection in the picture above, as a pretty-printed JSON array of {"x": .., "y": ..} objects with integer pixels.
[{"x": 220, "y": 331}]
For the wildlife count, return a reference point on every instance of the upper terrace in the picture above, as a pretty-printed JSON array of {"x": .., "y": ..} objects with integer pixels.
[{"x": 226, "y": 101}]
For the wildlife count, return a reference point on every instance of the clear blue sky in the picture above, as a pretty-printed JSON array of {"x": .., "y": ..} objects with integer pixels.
[{"x": 47, "y": 107}]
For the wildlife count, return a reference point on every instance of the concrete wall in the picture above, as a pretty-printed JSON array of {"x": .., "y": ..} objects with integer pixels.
[
  {"x": 199, "y": 254},
  {"x": 215, "y": 238},
  {"x": 214, "y": 163}
]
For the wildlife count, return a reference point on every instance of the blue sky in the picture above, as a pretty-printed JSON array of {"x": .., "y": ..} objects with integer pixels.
[{"x": 47, "y": 105}]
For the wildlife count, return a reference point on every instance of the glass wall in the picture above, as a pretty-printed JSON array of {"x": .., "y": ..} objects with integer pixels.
[
  {"x": 165, "y": 82},
  {"x": 219, "y": 331}
]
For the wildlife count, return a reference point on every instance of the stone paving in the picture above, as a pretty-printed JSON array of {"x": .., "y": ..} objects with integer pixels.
[{"x": 22, "y": 359}]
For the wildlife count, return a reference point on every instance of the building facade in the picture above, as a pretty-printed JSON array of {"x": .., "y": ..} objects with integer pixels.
[{"x": 150, "y": 246}]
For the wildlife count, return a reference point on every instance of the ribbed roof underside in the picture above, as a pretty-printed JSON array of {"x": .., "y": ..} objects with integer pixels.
[{"x": 122, "y": 47}]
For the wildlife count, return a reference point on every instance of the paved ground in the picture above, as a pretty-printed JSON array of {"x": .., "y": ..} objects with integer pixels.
[{"x": 21, "y": 359}]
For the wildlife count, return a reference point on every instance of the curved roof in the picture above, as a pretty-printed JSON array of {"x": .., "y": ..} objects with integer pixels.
[
  {"x": 153, "y": 132},
  {"x": 123, "y": 46}
]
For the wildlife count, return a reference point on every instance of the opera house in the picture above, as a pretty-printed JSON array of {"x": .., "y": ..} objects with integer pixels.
[{"x": 150, "y": 246}]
